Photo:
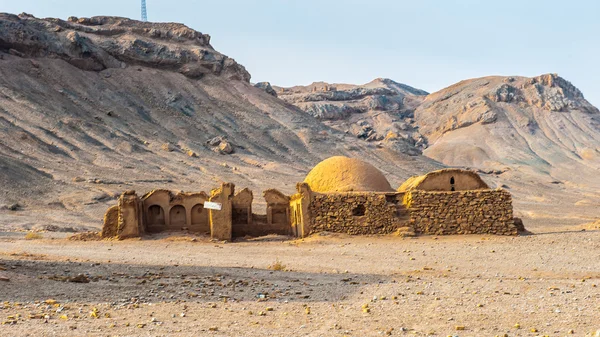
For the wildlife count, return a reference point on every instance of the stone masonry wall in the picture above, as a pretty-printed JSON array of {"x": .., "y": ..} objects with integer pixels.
[
  {"x": 463, "y": 212},
  {"x": 337, "y": 212}
]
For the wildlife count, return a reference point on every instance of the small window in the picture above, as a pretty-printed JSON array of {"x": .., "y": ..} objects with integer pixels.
[
  {"x": 359, "y": 210},
  {"x": 452, "y": 189},
  {"x": 452, "y": 181}
]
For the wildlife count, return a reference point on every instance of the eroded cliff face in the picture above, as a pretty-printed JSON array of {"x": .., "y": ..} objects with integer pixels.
[
  {"x": 101, "y": 42},
  {"x": 380, "y": 111},
  {"x": 339, "y": 101},
  {"x": 539, "y": 135}
]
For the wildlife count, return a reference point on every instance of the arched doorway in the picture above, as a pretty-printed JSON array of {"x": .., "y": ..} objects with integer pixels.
[
  {"x": 177, "y": 217},
  {"x": 200, "y": 219},
  {"x": 156, "y": 218}
]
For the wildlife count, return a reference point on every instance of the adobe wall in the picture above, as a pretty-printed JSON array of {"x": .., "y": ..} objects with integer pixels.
[
  {"x": 260, "y": 227},
  {"x": 221, "y": 221},
  {"x": 111, "y": 222},
  {"x": 449, "y": 179},
  {"x": 130, "y": 216},
  {"x": 461, "y": 212},
  {"x": 300, "y": 218},
  {"x": 278, "y": 209},
  {"x": 242, "y": 207},
  {"x": 463, "y": 181},
  {"x": 164, "y": 210},
  {"x": 356, "y": 213}
]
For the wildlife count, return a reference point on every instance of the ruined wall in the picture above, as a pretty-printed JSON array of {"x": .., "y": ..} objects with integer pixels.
[
  {"x": 300, "y": 217},
  {"x": 165, "y": 210},
  {"x": 462, "y": 212},
  {"x": 242, "y": 207},
  {"x": 276, "y": 221},
  {"x": 130, "y": 216},
  {"x": 296, "y": 214},
  {"x": 357, "y": 213},
  {"x": 278, "y": 208},
  {"x": 111, "y": 222},
  {"x": 221, "y": 221},
  {"x": 260, "y": 227}
]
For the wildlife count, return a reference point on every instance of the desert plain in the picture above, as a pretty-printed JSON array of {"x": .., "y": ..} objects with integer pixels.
[{"x": 325, "y": 285}]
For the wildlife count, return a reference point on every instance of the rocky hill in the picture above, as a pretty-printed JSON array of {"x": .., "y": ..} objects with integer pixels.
[
  {"x": 538, "y": 136},
  {"x": 541, "y": 123},
  {"x": 380, "y": 111},
  {"x": 92, "y": 107}
]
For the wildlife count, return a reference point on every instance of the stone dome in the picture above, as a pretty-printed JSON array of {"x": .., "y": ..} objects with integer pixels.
[{"x": 343, "y": 174}]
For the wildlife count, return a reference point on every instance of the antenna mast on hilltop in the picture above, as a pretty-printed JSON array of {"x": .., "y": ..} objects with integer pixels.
[{"x": 144, "y": 12}]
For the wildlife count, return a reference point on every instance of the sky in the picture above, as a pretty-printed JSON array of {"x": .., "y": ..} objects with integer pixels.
[{"x": 427, "y": 44}]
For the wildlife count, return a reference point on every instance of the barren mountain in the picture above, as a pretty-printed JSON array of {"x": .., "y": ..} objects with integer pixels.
[
  {"x": 538, "y": 136},
  {"x": 541, "y": 124},
  {"x": 92, "y": 107}
]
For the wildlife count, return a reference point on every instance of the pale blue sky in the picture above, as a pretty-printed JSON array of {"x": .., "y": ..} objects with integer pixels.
[{"x": 428, "y": 44}]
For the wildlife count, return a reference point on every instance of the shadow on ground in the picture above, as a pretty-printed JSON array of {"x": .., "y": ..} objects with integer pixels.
[{"x": 32, "y": 280}]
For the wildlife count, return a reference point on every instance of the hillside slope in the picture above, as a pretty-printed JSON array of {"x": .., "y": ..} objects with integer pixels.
[
  {"x": 538, "y": 136},
  {"x": 92, "y": 107},
  {"x": 542, "y": 124}
]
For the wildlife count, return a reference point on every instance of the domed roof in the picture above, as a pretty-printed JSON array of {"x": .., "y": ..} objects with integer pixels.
[{"x": 343, "y": 174}]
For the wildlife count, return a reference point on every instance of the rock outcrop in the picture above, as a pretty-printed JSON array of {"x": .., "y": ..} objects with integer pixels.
[
  {"x": 488, "y": 123},
  {"x": 380, "y": 111},
  {"x": 101, "y": 42},
  {"x": 266, "y": 86},
  {"x": 483, "y": 100},
  {"x": 338, "y": 101}
]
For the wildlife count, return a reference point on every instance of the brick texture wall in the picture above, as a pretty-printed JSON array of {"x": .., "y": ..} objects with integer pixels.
[
  {"x": 463, "y": 212},
  {"x": 357, "y": 213}
]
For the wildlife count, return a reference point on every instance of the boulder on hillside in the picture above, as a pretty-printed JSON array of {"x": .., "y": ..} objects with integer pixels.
[
  {"x": 266, "y": 86},
  {"x": 168, "y": 147},
  {"x": 225, "y": 147},
  {"x": 102, "y": 42}
]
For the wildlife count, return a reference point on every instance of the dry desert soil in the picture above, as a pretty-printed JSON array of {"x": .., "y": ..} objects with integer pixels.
[{"x": 544, "y": 284}]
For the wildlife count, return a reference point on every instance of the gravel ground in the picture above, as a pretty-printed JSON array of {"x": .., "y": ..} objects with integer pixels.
[{"x": 535, "y": 285}]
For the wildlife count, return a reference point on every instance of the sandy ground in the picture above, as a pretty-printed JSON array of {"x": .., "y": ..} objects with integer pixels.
[{"x": 535, "y": 285}]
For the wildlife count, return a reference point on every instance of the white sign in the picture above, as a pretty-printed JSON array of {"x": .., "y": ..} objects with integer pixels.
[{"x": 213, "y": 205}]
